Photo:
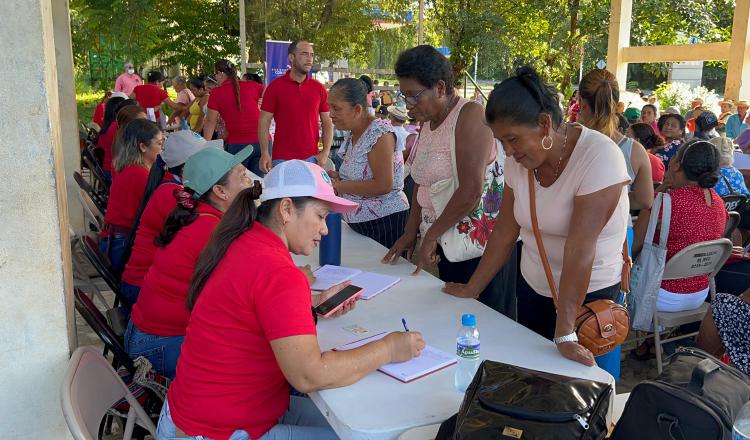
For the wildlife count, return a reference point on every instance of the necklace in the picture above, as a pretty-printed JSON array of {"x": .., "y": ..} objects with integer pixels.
[
  {"x": 446, "y": 110},
  {"x": 559, "y": 161}
]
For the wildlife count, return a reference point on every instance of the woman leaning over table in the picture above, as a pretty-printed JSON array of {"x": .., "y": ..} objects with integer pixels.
[
  {"x": 251, "y": 332},
  {"x": 426, "y": 81},
  {"x": 580, "y": 180},
  {"x": 372, "y": 170}
]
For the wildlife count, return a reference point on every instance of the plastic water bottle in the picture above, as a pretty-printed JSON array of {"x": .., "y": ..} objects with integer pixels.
[
  {"x": 467, "y": 352},
  {"x": 741, "y": 429}
]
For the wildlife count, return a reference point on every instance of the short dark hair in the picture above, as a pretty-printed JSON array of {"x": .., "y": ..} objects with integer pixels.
[
  {"x": 425, "y": 65},
  {"x": 651, "y": 106},
  {"x": 352, "y": 90},
  {"x": 154, "y": 76},
  {"x": 293, "y": 46},
  {"x": 522, "y": 98}
]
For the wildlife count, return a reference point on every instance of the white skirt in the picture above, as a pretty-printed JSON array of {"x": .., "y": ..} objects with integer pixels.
[{"x": 680, "y": 302}]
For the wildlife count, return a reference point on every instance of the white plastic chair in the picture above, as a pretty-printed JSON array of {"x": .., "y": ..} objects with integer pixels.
[
  {"x": 91, "y": 386},
  {"x": 705, "y": 258}
]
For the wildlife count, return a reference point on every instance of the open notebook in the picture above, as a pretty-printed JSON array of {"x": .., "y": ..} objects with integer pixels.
[
  {"x": 430, "y": 361},
  {"x": 372, "y": 283}
]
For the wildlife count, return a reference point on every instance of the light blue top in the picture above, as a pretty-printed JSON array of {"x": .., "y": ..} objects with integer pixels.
[
  {"x": 734, "y": 126},
  {"x": 735, "y": 178}
]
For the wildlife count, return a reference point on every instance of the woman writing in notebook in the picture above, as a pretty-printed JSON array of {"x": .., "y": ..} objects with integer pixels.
[
  {"x": 251, "y": 332},
  {"x": 576, "y": 173}
]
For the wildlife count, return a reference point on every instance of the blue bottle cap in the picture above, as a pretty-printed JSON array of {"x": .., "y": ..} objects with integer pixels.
[{"x": 468, "y": 320}]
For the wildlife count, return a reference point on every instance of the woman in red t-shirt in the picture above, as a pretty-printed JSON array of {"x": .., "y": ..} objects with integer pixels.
[
  {"x": 251, "y": 333},
  {"x": 158, "y": 201},
  {"x": 107, "y": 134},
  {"x": 139, "y": 143},
  {"x": 698, "y": 214},
  {"x": 152, "y": 95},
  {"x": 237, "y": 103},
  {"x": 213, "y": 178}
]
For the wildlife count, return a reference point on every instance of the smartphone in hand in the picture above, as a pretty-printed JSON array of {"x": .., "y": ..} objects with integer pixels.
[{"x": 334, "y": 303}]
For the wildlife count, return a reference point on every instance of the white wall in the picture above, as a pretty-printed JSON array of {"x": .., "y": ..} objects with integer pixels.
[{"x": 34, "y": 266}]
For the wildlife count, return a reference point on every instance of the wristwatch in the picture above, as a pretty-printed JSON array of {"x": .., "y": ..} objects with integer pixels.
[{"x": 573, "y": 337}]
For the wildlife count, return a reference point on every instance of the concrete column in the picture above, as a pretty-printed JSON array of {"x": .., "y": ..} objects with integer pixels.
[
  {"x": 66, "y": 89},
  {"x": 619, "y": 37},
  {"x": 35, "y": 259},
  {"x": 738, "y": 71}
]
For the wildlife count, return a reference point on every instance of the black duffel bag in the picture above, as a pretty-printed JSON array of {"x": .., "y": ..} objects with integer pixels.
[
  {"x": 509, "y": 402},
  {"x": 696, "y": 397}
]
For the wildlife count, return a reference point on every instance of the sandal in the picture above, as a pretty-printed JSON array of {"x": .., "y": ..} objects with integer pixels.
[{"x": 645, "y": 351}]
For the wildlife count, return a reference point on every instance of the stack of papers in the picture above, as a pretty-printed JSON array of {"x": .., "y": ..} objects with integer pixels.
[
  {"x": 372, "y": 283},
  {"x": 430, "y": 361}
]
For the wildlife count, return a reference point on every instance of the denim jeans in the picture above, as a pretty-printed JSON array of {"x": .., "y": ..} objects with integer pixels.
[
  {"x": 129, "y": 292},
  {"x": 252, "y": 163},
  {"x": 113, "y": 246},
  {"x": 311, "y": 159},
  {"x": 161, "y": 351},
  {"x": 302, "y": 421}
]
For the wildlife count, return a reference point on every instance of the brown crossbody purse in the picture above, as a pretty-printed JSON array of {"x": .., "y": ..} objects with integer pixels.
[{"x": 601, "y": 325}]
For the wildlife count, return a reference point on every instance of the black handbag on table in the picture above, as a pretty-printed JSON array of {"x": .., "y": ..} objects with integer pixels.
[
  {"x": 696, "y": 397},
  {"x": 509, "y": 402}
]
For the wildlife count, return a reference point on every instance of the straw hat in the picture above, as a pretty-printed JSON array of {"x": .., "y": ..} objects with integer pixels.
[
  {"x": 742, "y": 103},
  {"x": 399, "y": 113}
]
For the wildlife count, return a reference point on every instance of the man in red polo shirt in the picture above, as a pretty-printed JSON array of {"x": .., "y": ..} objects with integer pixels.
[{"x": 297, "y": 103}]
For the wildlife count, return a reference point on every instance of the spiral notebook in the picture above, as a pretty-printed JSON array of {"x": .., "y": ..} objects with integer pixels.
[
  {"x": 373, "y": 283},
  {"x": 429, "y": 361}
]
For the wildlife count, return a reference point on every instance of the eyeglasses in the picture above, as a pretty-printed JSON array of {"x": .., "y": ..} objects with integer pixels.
[{"x": 412, "y": 100}]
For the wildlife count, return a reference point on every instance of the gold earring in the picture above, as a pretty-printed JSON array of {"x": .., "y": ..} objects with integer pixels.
[{"x": 551, "y": 141}]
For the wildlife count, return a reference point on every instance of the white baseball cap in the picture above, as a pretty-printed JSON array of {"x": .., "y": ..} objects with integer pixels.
[
  {"x": 296, "y": 178},
  {"x": 119, "y": 95},
  {"x": 182, "y": 144}
]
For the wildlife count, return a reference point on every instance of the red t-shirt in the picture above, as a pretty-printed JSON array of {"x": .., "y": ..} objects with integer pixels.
[
  {"x": 98, "y": 118},
  {"x": 296, "y": 108},
  {"x": 150, "y": 96},
  {"x": 105, "y": 141},
  {"x": 692, "y": 222},
  {"x": 227, "y": 375},
  {"x": 161, "y": 203},
  {"x": 657, "y": 168},
  {"x": 160, "y": 309},
  {"x": 125, "y": 195},
  {"x": 241, "y": 125}
]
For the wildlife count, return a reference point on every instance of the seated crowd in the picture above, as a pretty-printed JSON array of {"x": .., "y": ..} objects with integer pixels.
[{"x": 204, "y": 252}]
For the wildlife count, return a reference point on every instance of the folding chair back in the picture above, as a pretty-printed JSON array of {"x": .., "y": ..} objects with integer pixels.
[
  {"x": 101, "y": 203},
  {"x": 732, "y": 223},
  {"x": 735, "y": 202},
  {"x": 101, "y": 263},
  {"x": 90, "y": 387},
  {"x": 101, "y": 327},
  {"x": 91, "y": 211},
  {"x": 96, "y": 170},
  {"x": 698, "y": 259},
  {"x": 705, "y": 258}
]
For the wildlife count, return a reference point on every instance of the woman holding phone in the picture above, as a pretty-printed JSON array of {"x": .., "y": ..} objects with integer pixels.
[{"x": 251, "y": 332}]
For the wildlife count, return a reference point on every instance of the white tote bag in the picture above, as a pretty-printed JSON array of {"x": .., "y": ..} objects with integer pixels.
[
  {"x": 467, "y": 239},
  {"x": 648, "y": 269}
]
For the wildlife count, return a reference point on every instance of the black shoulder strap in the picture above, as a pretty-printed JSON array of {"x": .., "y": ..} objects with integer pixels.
[{"x": 731, "y": 190}]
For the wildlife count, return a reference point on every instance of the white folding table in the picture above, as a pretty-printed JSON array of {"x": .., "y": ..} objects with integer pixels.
[{"x": 380, "y": 407}]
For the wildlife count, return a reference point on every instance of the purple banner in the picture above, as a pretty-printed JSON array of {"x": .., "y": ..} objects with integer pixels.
[{"x": 277, "y": 60}]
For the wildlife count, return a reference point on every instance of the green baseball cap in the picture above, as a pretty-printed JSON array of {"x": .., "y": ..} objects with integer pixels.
[
  {"x": 206, "y": 167},
  {"x": 632, "y": 114}
]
